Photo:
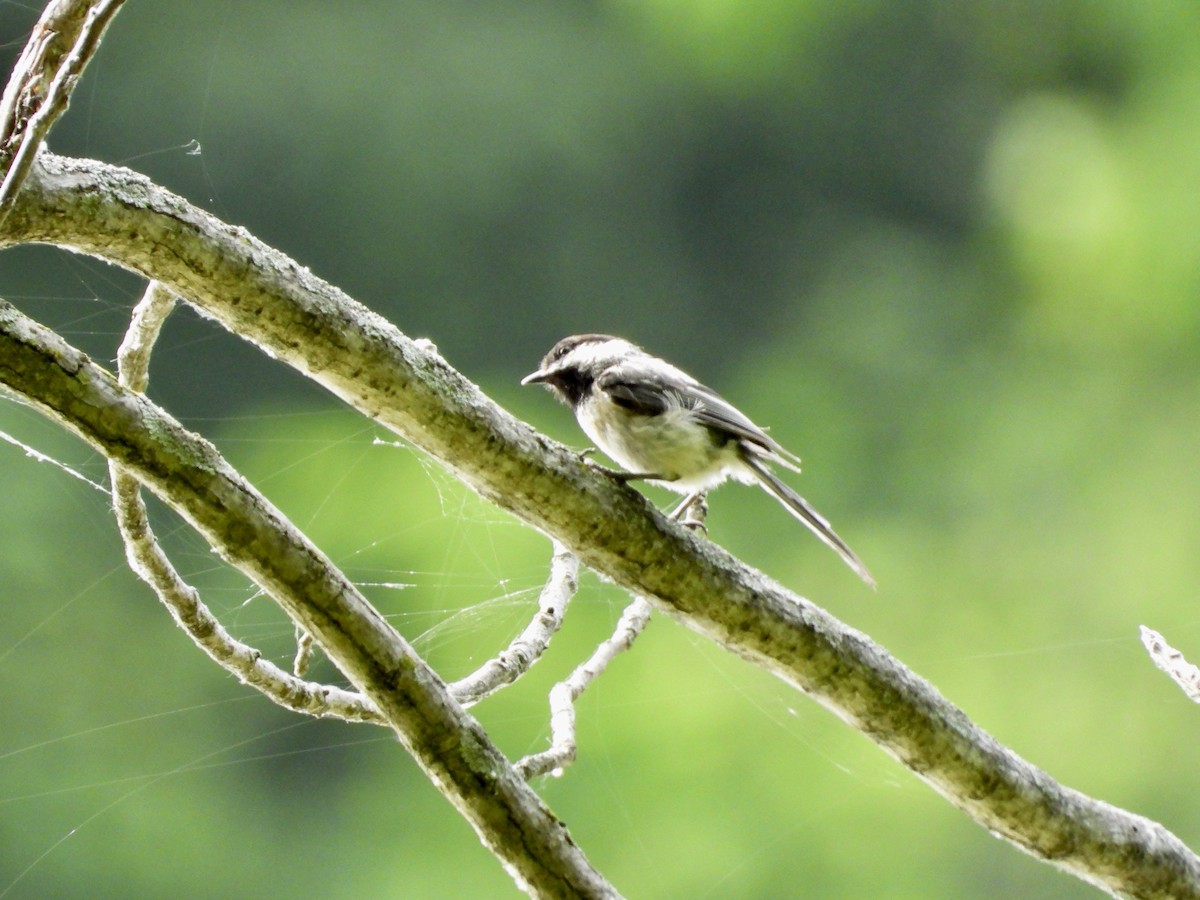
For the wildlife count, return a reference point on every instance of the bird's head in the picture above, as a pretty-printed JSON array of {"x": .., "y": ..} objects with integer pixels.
[{"x": 574, "y": 363}]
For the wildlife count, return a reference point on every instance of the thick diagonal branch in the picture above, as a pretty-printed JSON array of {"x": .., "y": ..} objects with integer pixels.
[{"x": 264, "y": 297}]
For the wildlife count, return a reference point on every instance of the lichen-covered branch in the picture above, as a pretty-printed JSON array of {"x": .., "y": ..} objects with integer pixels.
[
  {"x": 262, "y": 296},
  {"x": 189, "y": 475}
]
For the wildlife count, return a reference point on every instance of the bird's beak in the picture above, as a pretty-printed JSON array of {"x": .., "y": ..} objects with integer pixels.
[{"x": 538, "y": 377}]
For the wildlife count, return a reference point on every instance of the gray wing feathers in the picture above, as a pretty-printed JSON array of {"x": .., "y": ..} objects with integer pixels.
[
  {"x": 651, "y": 392},
  {"x": 639, "y": 391}
]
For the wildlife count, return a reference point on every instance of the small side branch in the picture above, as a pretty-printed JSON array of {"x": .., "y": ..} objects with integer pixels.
[
  {"x": 691, "y": 513},
  {"x": 1171, "y": 661},
  {"x": 151, "y": 564},
  {"x": 133, "y": 356},
  {"x": 564, "y": 694},
  {"x": 304, "y": 649},
  {"x": 528, "y": 647}
]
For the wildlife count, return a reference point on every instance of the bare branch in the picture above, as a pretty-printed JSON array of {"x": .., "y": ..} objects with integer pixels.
[
  {"x": 145, "y": 324},
  {"x": 62, "y": 43},
  {"x": 564, "y": 694},
  {"x": 150, "y": 563},
  {"x": 262, "y": 296},
  {"x": 691, "y": 512},
  {"x": 528, "y": 647},
  {"x": 188, "y": 474},
  {"x": 304, "y": 650},
  {"x": 1171, "y": 661}
]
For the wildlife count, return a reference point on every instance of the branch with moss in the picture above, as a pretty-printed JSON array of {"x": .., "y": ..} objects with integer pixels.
[{"x": 264, "y": 297}]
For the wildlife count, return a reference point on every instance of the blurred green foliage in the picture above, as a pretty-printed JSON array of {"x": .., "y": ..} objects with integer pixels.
[{"x": 948, "y": 250}]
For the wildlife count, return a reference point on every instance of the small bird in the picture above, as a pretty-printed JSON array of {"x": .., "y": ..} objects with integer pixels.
[{"x": 665, "y": 427}]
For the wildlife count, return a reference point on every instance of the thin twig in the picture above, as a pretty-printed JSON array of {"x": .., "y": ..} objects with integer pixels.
[
  {"x": 564, "y": 694},
  {"x": 151, "y": 564},
  {"x": 1171, "y": 661},
  {"x": 528, "y": 647},
  {"x": 691, "y": 512},
  {"x": 304, "y": 651},
  {"x": 145, "y": 324},
  {"x": 245, "y": 662}
]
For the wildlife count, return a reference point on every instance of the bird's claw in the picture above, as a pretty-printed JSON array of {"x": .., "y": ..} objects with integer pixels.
[
  {"x": 617, "y": 475},
  {"x": 692, "y": 512}
]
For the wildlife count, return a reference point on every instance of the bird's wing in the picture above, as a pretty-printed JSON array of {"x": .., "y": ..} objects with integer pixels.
[
  {"x": 652, "y": 390},
  {"x": 635, "y": 388}
]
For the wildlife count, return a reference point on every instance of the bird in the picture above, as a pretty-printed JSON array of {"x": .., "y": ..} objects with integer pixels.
[{"x": 665, "y": 427}]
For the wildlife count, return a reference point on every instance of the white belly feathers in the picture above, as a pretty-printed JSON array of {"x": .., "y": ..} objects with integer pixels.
[{"x": 665, "y": 444}]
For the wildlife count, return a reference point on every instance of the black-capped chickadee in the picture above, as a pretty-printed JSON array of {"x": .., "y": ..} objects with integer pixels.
[{"x": 664, "y": 426}]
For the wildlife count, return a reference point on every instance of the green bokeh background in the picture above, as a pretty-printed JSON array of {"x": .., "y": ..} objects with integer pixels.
[{"x": 949, "y": 251}]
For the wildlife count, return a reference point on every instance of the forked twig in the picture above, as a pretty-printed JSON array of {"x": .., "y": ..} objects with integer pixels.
[
  {"x": 633, "y": 621},
  {"x": 564, "y": 694}
]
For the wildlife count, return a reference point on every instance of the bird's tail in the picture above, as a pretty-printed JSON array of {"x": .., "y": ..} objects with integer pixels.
[{"x": 800, "y": 508}]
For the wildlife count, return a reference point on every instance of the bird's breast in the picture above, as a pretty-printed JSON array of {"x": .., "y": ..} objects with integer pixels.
[{"x": 672, "y": 444}]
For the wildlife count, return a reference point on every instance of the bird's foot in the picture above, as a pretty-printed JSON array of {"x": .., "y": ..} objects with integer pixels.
[
  {"x": 692, "y": 512},
  {"x": 616, "y": 475}
]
